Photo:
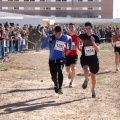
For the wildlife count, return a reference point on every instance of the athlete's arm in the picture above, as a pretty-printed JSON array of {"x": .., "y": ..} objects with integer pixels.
[
  {"x": 74, "y": 47},
  {"x": 45, "y": 42},
  {"x": 69, "y": 39},
  {"x": 78, "y": 45},
  {"x": 95, "y": 45},
  {"x": 112, "y": 42}
]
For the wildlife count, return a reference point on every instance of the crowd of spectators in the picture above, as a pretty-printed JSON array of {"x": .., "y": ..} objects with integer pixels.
[{"x": 35, "y": 35}]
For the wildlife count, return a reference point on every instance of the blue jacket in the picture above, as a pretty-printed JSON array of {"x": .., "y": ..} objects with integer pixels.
[{"x": 57, "y": 46}]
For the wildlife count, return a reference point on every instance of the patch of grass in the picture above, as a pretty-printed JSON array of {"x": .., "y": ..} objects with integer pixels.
[
  {"x": 106, "y": 46},
  {"x": 4, "y": 68}
]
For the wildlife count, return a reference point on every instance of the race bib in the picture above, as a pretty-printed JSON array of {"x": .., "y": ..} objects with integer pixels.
[
  {"x": 118, "y": 44},
  {"x": 89, "y": 51},
  {"x": 59, "y": 45}
]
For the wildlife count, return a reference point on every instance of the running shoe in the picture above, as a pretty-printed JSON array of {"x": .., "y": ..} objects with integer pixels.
[
  {"x": 60, "y": 91},
  {"x": 56, "y": 88},
  {"x": 93, "y": 94},
  {"x": 70, "y": 84},
  {"x": 117, "y": 69},
  {"x": 84, "y": 85}
]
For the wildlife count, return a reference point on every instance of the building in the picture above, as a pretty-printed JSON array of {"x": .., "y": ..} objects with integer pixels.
[{"x": 60, "y": 8}]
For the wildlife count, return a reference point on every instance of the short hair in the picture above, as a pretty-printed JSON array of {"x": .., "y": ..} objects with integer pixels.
[
  {"x": 88, "y": 24},
  {"x": 71, "y": 24},
  {"x": 58, "y": 28}
]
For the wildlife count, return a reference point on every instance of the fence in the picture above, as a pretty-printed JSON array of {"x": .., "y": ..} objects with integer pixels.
[
  {"x": 103, "y": 40},
  {"x": 9, "y": 46}
]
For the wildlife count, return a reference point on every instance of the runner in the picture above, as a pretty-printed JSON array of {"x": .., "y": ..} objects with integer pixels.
[
  {"x": 89, "y": 60},
  {"x": 72, "y": 57},
  {"x": 57, "y": 58},
  {"x": 116, "y": 44}
]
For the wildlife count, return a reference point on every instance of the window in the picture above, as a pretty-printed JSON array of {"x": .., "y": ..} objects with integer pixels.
[
  {"x": 16, "y": 0},
  {"x": 68, "y": 8},
  {"x": 63, "y": 8},
  {"x": 10, "y": 0},
  {"x": 42, "y": 8},
  {"x": 58, "y": 0},
  {"x": 21, "y": 8},
  {"x": 47, "y": 8},
  {"x": 80, "y": 0},
  {"x": 26, "y": 0},
  {"x": 32, "y": 0},
  {"x": 90, "y": 8},
  {"x": 10, "y": 8},
  {"x": 90, "y": 0},
  {"x": 42, "y": 0},
  {"x": 26, "y": 8},
  {"x": 58, "y": 8},
  {"x": 32, "y": 8},
  {"x": 16, "y": 8},
  {"x": 5, "y": 8},
  {"x": 37, "y": 8}
]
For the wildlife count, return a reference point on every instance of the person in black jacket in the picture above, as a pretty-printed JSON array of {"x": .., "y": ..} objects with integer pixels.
[{"x": 38, "y": 35}]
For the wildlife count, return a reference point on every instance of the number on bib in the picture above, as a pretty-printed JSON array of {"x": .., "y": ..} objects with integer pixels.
[
  {"x": 89, "y": 51},
  {"x": 59, "y": 45},
  {"x": 118, "y": 44}
]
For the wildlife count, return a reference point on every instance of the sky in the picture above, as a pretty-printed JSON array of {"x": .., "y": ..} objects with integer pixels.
[{"x": 116, "y": 9}]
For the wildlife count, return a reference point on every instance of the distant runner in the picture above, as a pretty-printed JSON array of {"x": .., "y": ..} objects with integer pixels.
[{"x": 116, "y": 44}]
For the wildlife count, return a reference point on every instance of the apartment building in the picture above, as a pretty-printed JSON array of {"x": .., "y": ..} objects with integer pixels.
[{"x": 60, "y": 8}]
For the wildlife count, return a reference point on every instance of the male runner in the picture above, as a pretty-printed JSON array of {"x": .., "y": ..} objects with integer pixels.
[
  {"x": 57, "y": 58},
  {"x": 72, "y": 56},
  {"x": 116, "y": 44},
  {"x": 89, "y": 60}
]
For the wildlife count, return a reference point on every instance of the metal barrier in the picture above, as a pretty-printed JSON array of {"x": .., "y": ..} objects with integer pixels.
[
  {"x": 10, "y": 46},
  {"x": 103, "y": 40},
  {"x": 1, "y": 52}
]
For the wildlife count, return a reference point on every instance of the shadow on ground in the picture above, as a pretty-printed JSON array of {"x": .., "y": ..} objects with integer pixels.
[{"x": 26, "y": 106}]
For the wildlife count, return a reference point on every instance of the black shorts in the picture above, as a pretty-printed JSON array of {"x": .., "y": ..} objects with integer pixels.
[
  {"x": 93, "y": 64},
  {"x": 71, "y": 60},
  {"x": 116, "y": 49}
]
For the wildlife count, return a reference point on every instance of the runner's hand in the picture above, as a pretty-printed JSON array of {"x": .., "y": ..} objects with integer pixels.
[
  {"x": 74, "y": 47},
  {"x": 113, "y": 44},
  {"x": 50, "y": 40},
  {"x": 67, "y": 52},
  {"x": 92, "y": 39}
]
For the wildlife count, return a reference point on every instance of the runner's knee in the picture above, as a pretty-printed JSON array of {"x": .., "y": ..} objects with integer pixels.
[
  {"x": 73, "y": 67},
  {"x": 67, "y": 70}
]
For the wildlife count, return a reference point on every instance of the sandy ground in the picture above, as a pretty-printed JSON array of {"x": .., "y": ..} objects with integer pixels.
[{"x": 26, "y": 90}]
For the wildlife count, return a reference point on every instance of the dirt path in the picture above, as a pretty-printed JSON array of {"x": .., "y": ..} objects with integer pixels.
[{"x": 26, "y": 91}]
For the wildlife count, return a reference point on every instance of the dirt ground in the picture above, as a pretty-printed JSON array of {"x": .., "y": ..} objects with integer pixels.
[{"x": 26, "y": 90}]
